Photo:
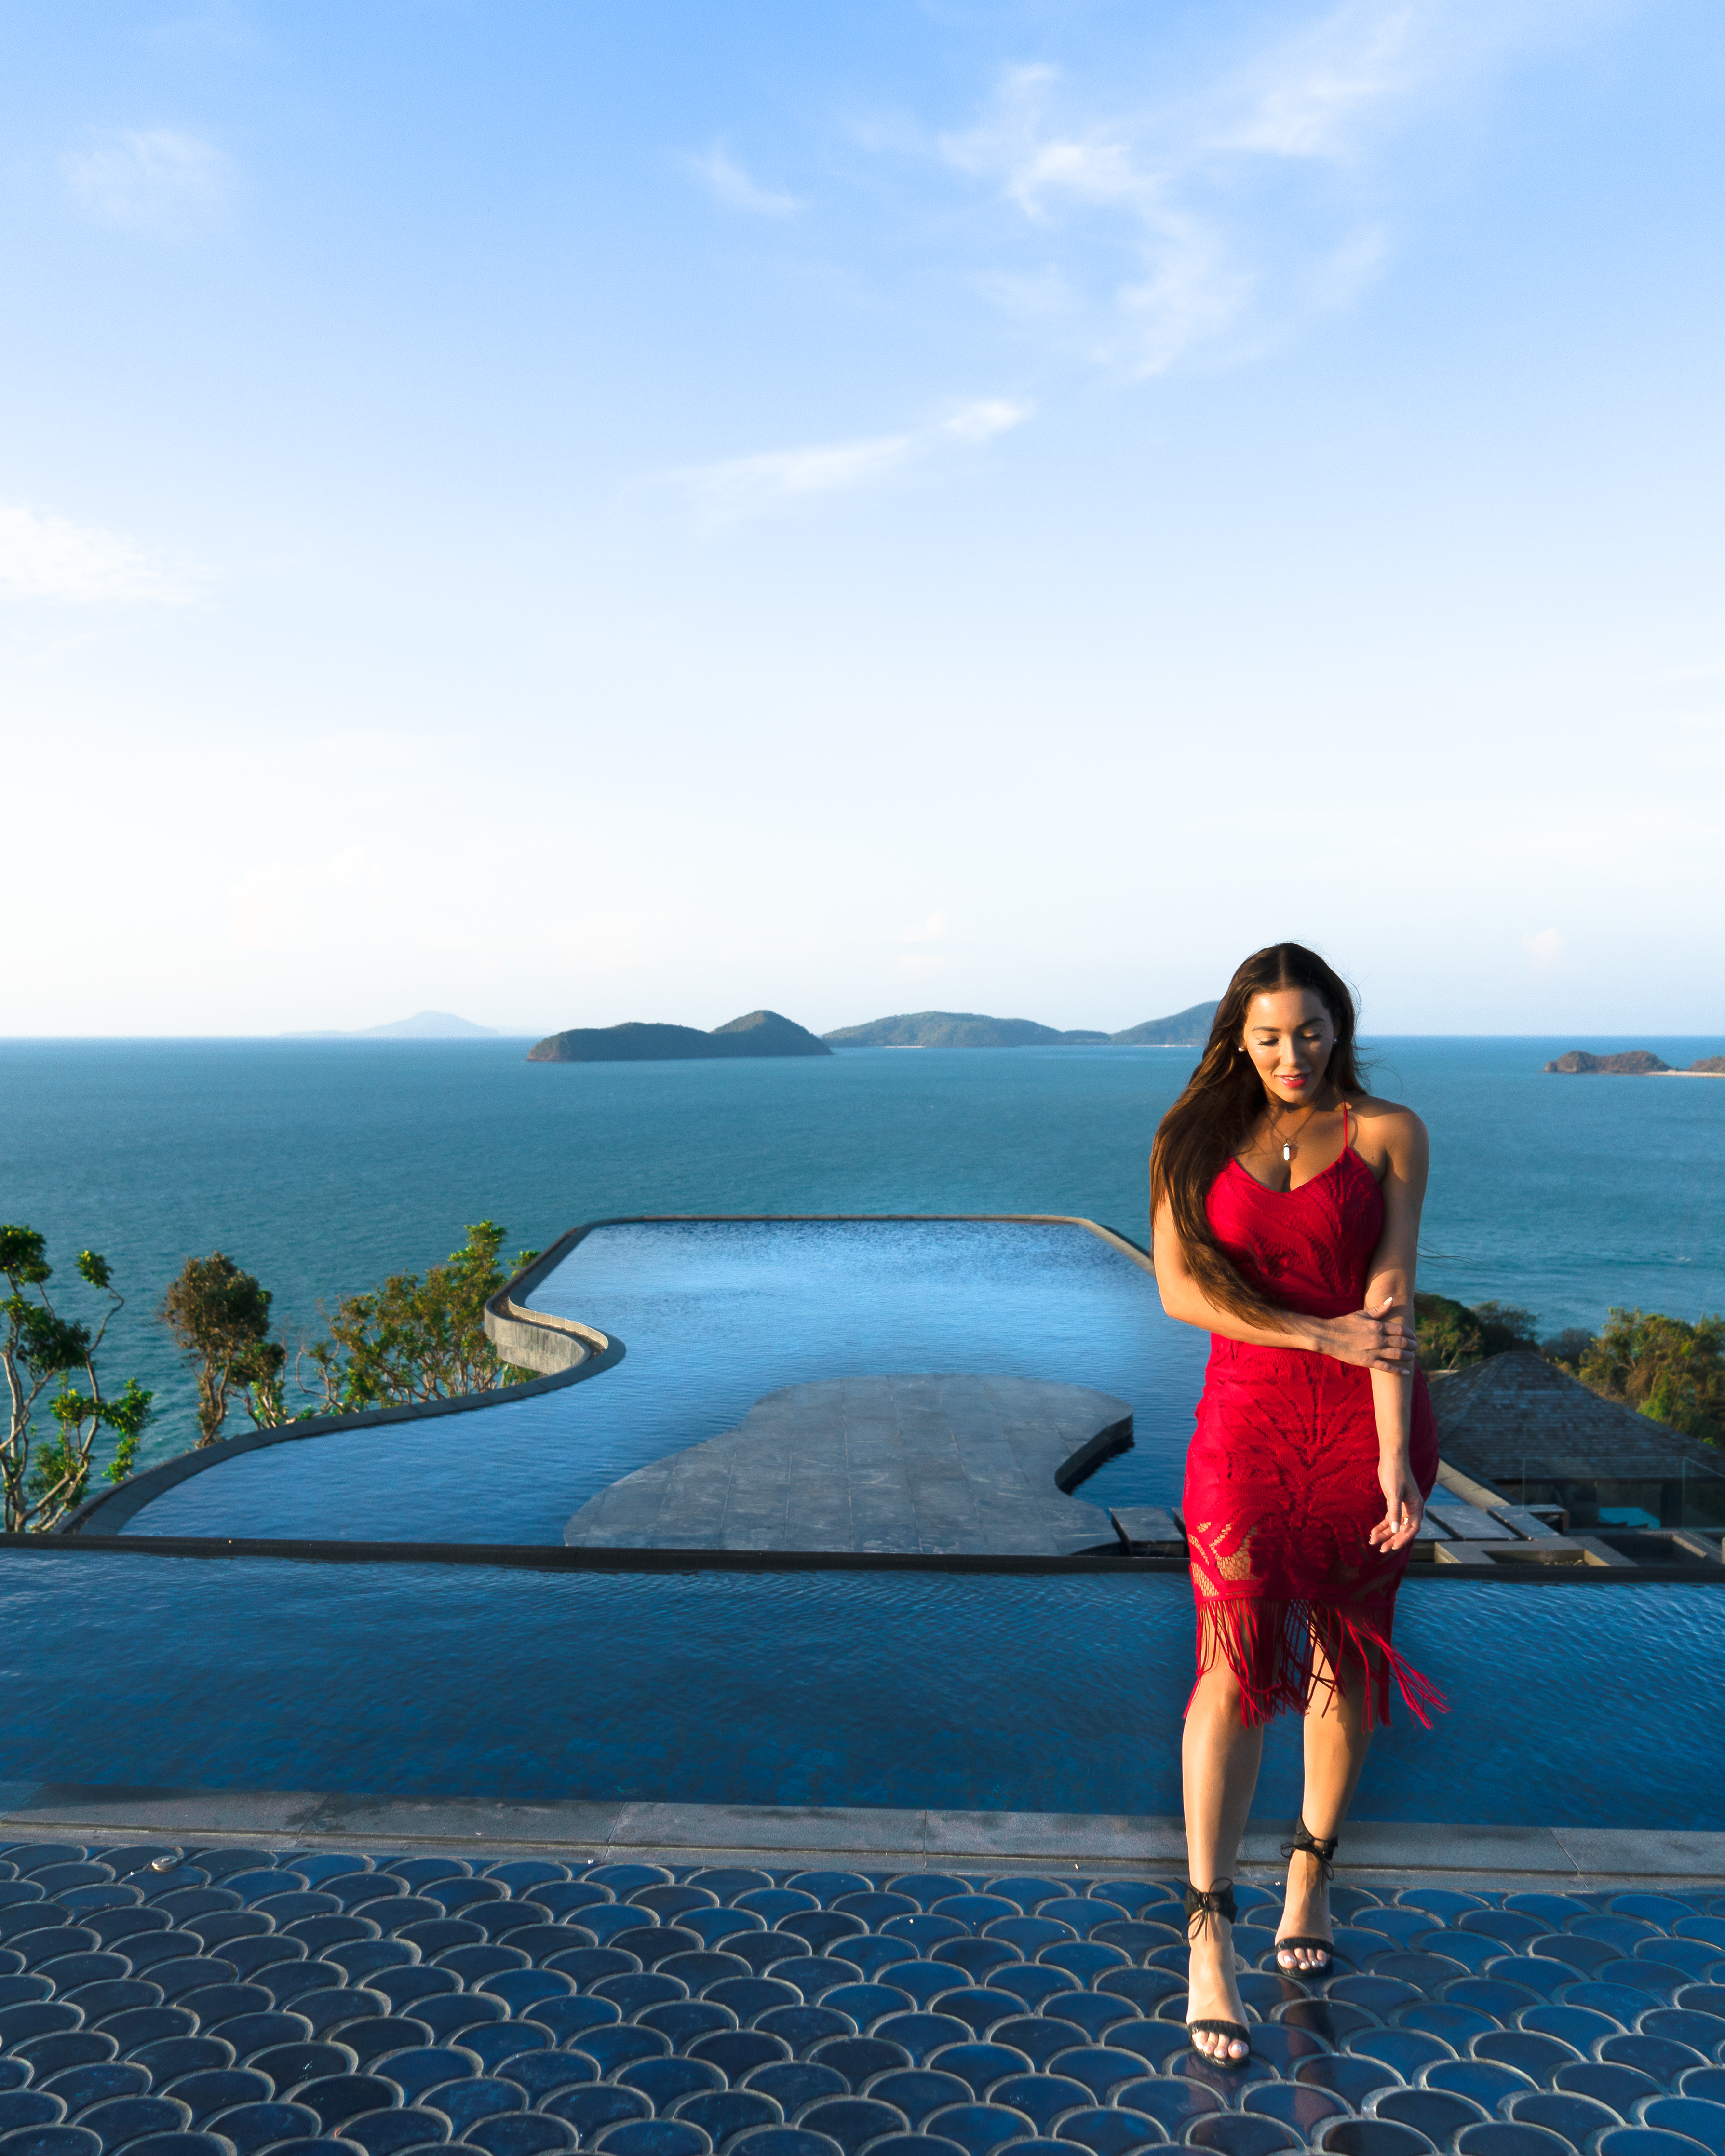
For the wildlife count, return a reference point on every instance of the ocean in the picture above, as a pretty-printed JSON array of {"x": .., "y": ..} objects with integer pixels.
[{"x": 322, "y": 1166}]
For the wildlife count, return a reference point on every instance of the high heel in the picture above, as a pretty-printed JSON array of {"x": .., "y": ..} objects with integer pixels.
[
  {"x": 1201, "y": 1910},
  {"x": 1307, "y": 1843}
]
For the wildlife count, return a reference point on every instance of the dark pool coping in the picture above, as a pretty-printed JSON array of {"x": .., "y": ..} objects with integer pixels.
[
  {"x": 806, "y": 1834},
  {"x": 557, "y": 1557}
]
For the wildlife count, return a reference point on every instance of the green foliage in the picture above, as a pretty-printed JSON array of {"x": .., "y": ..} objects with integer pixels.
[
  {"x": 42, "y": 1353},
  {"x": 1568, "y": 1348},
  {"x": 1451, "y": 1336},
  {"x": 1665, "y": 1367},
  {"x": 127, "y": 1417},
  {"x": 220, "y": 1316},
  {"x": 420, "y": 1340}
]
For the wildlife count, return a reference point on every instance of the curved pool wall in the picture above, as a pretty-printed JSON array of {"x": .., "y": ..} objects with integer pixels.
[
  {"x": 1043, "y": 1692},
  {"x": 712, "y": 1315}
]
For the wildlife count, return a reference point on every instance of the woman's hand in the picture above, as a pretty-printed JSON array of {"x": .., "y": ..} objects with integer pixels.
[
  {"x": 1373, "y": 1340},
  {"x": 1404, "y": 1506}
]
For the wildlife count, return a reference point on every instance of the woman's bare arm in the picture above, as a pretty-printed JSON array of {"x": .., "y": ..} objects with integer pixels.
[
  {"x": 1401, "y": 1144},
  {"x": 1373, "y": 1339}
]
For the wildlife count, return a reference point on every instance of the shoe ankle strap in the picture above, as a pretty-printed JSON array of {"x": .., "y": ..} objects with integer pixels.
[
  {"x": 1306, "y": 1843},
  {"x": 1203, "y": 1908}
]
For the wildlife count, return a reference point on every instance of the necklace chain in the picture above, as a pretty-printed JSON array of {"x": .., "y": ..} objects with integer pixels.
[{"x": 1288, "y": 1147}]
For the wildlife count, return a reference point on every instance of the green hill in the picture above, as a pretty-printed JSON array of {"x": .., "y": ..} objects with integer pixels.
[
  {"x": 760, "y": 1033},
  {"x": 1186, "y": 1029},
  {"x": 974, "y": 1029},
  {"x": 954, "y": 1030}
]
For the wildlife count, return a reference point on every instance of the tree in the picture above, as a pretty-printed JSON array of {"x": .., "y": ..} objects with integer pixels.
[
  {"x": 1666, "y": 1366},
  {"x": 220, "y": 1316},
  {"x": 420, "y": 1340},
  {"x": 38, "y": 1348},
  {"x": 1567, "y": 1347},
  {"x": 1451, "y": 1336}
]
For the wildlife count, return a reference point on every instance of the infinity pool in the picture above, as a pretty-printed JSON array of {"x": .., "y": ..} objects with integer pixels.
[
  {"x": 713, "y": 1314},
  {"x": 1568, "y": 1705}
]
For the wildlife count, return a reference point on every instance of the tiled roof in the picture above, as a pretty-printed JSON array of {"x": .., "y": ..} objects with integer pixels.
[{"x": 1518, "y": 1405}]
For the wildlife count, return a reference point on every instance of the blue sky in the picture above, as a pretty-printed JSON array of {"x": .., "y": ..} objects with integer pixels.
[{"x": 566, "y": 513}]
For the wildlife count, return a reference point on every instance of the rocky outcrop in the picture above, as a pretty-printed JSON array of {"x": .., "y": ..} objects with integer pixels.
[
  {"x": 1708, "y": 1066},
  {"x": 1634, "y": 1063},
  {"x": 759, "y": 1033}
]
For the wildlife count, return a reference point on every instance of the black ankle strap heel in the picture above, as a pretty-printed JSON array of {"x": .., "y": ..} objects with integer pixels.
[
  {"x": 1202, "y": 1911},
  {"x": 1201, "y": 1908},
  {"x": 1306, "y": 1843}
]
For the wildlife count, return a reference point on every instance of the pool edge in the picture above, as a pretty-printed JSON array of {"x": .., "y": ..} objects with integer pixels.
[{"x": 922, "y": 1837}]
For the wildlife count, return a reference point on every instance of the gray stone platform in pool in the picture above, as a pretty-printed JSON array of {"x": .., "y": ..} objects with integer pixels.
[{"x": 937, "y": 1464}]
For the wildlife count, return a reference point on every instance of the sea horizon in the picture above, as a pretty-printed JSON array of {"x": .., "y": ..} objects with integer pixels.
[
  {"x": 322, "y": 1168},
  {"x": 362, "y": 1039}
]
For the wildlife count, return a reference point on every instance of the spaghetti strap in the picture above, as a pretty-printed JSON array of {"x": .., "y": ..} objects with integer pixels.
[{"x": 1344, "y": 1126}]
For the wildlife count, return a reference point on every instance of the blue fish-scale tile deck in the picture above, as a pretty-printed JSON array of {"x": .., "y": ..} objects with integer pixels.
[{"x": 473, "y": 2005}]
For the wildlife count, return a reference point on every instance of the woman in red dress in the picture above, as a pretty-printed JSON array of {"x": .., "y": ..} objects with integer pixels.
[{"x": 1286, "y": 1209}]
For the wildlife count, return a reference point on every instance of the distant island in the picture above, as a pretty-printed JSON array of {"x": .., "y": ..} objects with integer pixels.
[
  {"x": 955, "y": 1029},
  {"x": 766, "y": 1033},
  {"x": 1633, "y": 1063},
  {"x": 1186, "y": 1028},
  {"x": 423, "y": 1025},
  {"x": 760, "y": 1033}
]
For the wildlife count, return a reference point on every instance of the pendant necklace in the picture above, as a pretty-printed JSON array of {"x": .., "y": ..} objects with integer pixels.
[{"x": 1289, "y": 1148}]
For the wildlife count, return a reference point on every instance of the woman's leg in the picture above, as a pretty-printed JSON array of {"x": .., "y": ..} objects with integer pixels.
[
  {"x": 1337, "y": 1742},
  {"x": 1220, "y": 1765}
]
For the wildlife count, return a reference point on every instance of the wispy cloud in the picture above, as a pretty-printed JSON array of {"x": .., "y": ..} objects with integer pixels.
[
  {"x": 50, "y": 557},
  {"x": 933, "y": 928},
  {"x": 1314, "y": 95},
  {"x": 154, "y": 180},
  {"x": 1547, "y": 948},
  {"x": 1170, "y": 229},
  {"x": 727, "y": 182},
  {"x": 746, "y": 486}
]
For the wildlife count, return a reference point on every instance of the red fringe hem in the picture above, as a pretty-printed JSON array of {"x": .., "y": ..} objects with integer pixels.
[{"x": 1274, "y": 1649}]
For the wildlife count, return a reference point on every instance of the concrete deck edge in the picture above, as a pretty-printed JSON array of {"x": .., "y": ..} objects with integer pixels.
[{"x": 909, "y": 1839}]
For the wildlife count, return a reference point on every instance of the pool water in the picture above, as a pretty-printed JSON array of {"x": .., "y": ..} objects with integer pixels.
[
  {"x": 1569, "y": 1705},
  {"x": 712, "y": 1315}
]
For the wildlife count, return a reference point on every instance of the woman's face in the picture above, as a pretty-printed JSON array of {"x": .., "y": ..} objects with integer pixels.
[{"x": 1289, "y": 1035}]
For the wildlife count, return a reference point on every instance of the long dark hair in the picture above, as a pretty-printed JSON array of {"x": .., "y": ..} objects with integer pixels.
[{"x": 1224, "y": 1096}]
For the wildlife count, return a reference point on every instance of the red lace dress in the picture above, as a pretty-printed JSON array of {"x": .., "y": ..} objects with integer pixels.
[{"x": 1282, "y": 1478}]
